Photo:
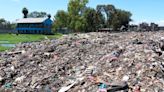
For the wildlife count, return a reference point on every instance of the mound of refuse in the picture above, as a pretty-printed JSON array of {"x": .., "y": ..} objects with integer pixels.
[{"x": 89, "y": 62}]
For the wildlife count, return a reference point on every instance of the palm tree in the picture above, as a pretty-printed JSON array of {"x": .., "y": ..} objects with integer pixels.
[{"x": 25, "y": 12}]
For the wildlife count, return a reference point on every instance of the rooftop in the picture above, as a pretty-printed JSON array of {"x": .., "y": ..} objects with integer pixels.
[{"x": 31, "y": 20}]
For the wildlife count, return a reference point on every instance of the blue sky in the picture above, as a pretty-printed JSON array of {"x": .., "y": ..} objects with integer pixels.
[{"x": 142, "y": 10}]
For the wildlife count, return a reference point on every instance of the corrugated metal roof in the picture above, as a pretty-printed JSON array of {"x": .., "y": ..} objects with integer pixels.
[{"x": 31, "y": 20}]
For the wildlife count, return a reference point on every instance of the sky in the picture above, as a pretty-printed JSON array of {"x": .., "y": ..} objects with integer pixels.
[{"x": 142, "y": 10}]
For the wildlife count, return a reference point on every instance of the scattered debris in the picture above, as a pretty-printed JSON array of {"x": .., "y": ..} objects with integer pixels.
[
  {"x": 64, "y": 89},
  {"x": 136, "y": 41},
  {"x": 91, "y": 62},
  {"x": 103, "y": 88}
]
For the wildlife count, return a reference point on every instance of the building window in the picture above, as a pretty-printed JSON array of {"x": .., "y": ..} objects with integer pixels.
[
  {"x": 35, "y": 31},
  {"x": 39, "y": 31}
]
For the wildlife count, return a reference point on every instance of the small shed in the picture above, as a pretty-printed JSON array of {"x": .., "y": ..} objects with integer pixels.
[{"x": 34, "y": 26}]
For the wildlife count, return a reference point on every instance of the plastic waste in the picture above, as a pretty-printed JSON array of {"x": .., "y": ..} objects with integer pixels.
[
  {"x": 102, "y": 88},
  {"x": 64, "y": 89},
  {"x": 8, "y": 85}
]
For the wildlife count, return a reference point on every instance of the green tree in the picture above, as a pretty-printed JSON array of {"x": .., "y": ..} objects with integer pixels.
[
  {"x": 73, "y": 19},
  {"x": 100, "y": 19},
  {"x": 13, "y": 25},
  {"x": 37, "y": 14},
  {"x": 121, "y": 18},
  {"x": 4, "y": 24},
  {"x": 61, "y": 20},
  {"x": 2, "y": 20},
  {"x": 125, "y": 17},
  {"x": 114, "y": 18},
  {"x": 102, "y": 16},
  {"x": 81, "y": 18},
  {"x": 76, "y": 9},
  {"x": 80, "y": 24},
  {"x": 25, "y": 12},
  {"x": 108, "y": 12},
  {"x": 94, "y": 20}
]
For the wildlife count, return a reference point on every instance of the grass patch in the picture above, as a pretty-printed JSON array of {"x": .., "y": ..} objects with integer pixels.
[
  {"x": 4, "y": 48},
  {"x": 57, "y": 35},
  {"x": 13, "y": 38},
  {"x": 21, "y": 38}
]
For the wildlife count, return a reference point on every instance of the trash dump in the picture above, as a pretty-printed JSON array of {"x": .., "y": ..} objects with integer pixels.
[{"x": 87, "y": 62}]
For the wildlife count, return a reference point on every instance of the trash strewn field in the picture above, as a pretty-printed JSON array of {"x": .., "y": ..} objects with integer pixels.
[{"x": 91, "y": 62}]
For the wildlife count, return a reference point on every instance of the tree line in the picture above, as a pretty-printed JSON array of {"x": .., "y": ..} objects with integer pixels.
[
  {"x": 4, "y": 24},
  {"x": 34, "y": 14},
  {"x": 81, "y": 18}
]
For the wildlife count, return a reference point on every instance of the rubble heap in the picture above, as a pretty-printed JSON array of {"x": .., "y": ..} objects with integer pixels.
[{"x": 91, "y": 62}]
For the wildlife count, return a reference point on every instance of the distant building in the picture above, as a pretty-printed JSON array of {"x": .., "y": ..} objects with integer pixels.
[
  {"x": 154, "y": 27},
  {"x": 132, "y": 27},
  {"x": 161, "y": 28},
  {"x": 144, "y": 27},
  {"x": 34, "y": 26}
]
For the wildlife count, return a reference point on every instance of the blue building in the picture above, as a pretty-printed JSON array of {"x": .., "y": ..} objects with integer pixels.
[{"x": 34, "y": 26}]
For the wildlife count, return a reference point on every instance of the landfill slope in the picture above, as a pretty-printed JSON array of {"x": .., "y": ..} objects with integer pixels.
[{"x": 80, "y": 62}]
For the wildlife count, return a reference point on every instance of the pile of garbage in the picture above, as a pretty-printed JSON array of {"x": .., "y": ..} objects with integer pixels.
[{"x": 90, "y": 62}]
